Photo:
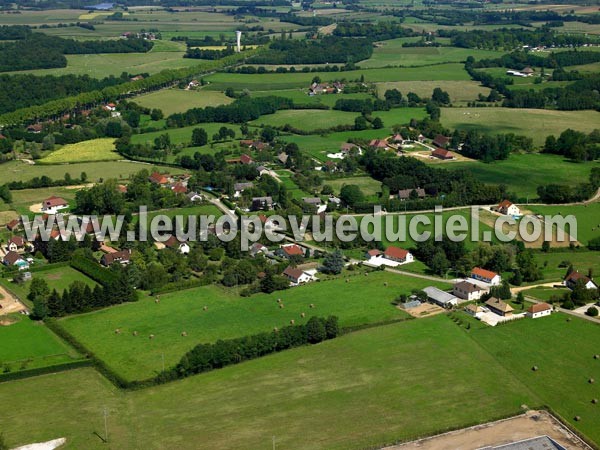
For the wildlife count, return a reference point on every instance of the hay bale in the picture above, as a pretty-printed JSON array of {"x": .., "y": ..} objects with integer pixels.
[
  {"x": 278, "y": 300},
  {"x": 157, "y": 300},
  {"x": 292, "y": 322},
  {"x": 205, "y": 308},
  {"x": 534, "y": 368},
  {"x": 591, "y": 381},
  {"x": 596, "y": 356},
  {"x": 135, "y": 333},
  {"x": 117, "y": 331},
  {"x": 594, "y": 401},
  {"x": 385, "y": 283},
  {"x": 275, "y": 329},
  {"x": 312, "y": 305},
  {"x": 183, "y": 333},
  {"x": 569, "y": 319},
  {"x": 577, "y": 418},
  {"x": 302, "y": 315},
  {"x": 281, "y": 306},
  {"x": 151, "y": 336}
]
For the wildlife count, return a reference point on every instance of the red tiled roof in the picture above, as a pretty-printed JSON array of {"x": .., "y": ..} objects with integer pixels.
[
  {"x": 505, "y": 204},
  {"x": 158, "y": 178},
  {"x": 539, "y": 307},
  {"x": 374, "y": 252},
  {"x": 487, "y": 274},
  {"x": 293, "y": 272},
  {"x": 54, "y": 201},
  {"x": 396, "y": 252},
  {"x": 246, "y": 159},
  {"x": 575, "y": 276},
  {"x": 17, "y": 240},
  {"x": 293, "y": 250},
  {"x": 11, "y": 258},
  {"x": 441, "y": 153},
  {"x": 441, "y": 140}
]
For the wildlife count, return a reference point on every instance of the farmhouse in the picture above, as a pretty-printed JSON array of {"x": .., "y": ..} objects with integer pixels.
[
  {"x": 174, "y": 243},
  {"x": 35, "y": 128},
  {"x": 467, "y": 291},
  {"x": 15, "y": 244},
  {"x": 158, "y": 178},
  {"x": 238, "y": 188},
  {"x": 262, "y": 203},
  {"x": 574, "y": 277},
  {"x": 374, "y": 253},
  {"x": 246, "y": 159},
  {"x": 179, "y": 188},
  {"x": 379, "y": 143},
  {"x": 499, "y": 307},
  {"x": 11, "y": 258},
  {"x": 347, "y": 147},
  {"x": 398, "y": 255},
  {"x": 53, "y": 204},
  {"x": 439, "y": 297},
  {"x": 443, "y": 154},
  {"x": 397, "y": 139},
  {"x": 539, "y": 310},
  {"x": 508, "y": 208},
  {"x": 441, "y": 141},
  {"x": 13, "y": 224},
  {"x": 291, "y": 250},
  {"x": 258, "y": 248},
  {"x": 122, "y": 256},
  {"x": 405, "y": 194},
  {"x": 296, "y": 276},
  {"x": 316, "y": 202},
  {"x": 487, "y": 276},
  {"x": 262, "y": 170},
  {"x": 193, "y": 196}
]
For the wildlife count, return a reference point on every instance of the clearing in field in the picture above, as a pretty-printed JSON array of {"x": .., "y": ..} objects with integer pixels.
[
  {"x": 389, "y": 382},
  {"x": 172, "y": 101},
  {"x": 102, "y": 149},
  {"x": 364, "y": 299},
  {"x": 534, "y": 123}
]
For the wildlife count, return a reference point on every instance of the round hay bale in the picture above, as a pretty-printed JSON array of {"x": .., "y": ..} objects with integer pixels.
[
  {"x": 278, "y": 300},
  {"x": 275, "y": 329},
  {"x": 281, "y": 306},
  {"x": 183, "y": 333},
  {"x": 591, "y": 381},
  {"x": 117, "y": 331},
  {"x": 135, "y": 333},
  {"x": 577, "y": 418},
  {"x": 312, "y": 305},
  {"x": 157, "y": 300},
  {"x": 596, "y": 356},
  {"x": 302, "y": 315},
  {"x": 594, "y": 401},
  {"x": 292, "y": 322},
  {"x": 569, "y": 319},
  {"x": 151, "y": 336},
  {"x": 205, "y": 308},
  {"x": 534, "y": 368},
  {"x": 385, "y": 283}
]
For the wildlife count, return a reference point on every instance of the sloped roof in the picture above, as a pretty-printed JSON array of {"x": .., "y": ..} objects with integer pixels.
[
  {"x": 499, "y": 305},
  {"x": 488, "y": 274},
  {"x": 396, "y": 252},
  {"x": 539, "y": 307}
]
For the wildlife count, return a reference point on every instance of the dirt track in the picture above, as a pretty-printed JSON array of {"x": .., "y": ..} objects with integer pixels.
[{"x": 526, "y": 426}]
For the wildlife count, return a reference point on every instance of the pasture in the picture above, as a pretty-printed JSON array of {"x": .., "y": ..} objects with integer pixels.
[
  {"x": 540, "y": 168},
  {"x": 27, "y": 344},
  {"x": 534, "y": 123},
  {"x": 588, "y": 218},
  {"x": 367, "y": 185},
  {"x": 564, "y": 353},
  {"x": 362, "y": 300},
  {"x": 102, "y": 149},
  {"x": 183, "y": 135},
  {"x": 459, "y": 91},
  {"x": 172, "y": 101},
  {"x": 375, "y": 376},
  {"x": 307, "y": 119}
]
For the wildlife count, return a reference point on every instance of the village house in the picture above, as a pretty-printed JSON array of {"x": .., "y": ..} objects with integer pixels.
[
  {"x": 282, "y": 158},
  {"x": 121, "y": 256},
  {"x": 258, "y": 248},
  {"x": 238, "y": 188},
  {"x": 404, "y": 194},
  {"x": 348, "y": 147},
  {"x": 379, "y": 144},
  {"x": 508, "y": 208},
  {"x": 473, "y": 310},
  {"x": 398, "y": 255},
  {"x": 499, "y": 307},
  {"x": 467, "y": 291},
  {"x": 53, "y": 204},
  {"x": 441, "y": 141},
  {"x": 316, "y": 202},
  {"x": 442, "y": 154},
  {"x": 13, "y": 225},
  {"x": 296, "y": 276},
  {"x": 246, "y": 159},
  {"x": 262, "y": 203},
  {"x": 290, "y": 250},
  {"x": 137, "y": 78},
  {"x": 15, "y": 243},
  {"x": 14, "y": 259},
  {"x": 397, "y": 139},
  {"x": 194, "y": 197},
  {"x": 262, "y": 170},
  {"x": 539, "y": 310},
  {"x": 439, "y": 297},
  {"x": 174, "y": 243},
  {"x": 571, "y": 280},
  {"x": 158, "y": 178},
  {"x": 179, "y": 188},
  {"x": 486, "y": 276},
  {"x": 35, "y": 128},
  {"x": 193, "y": 84},
  {"x": 373, "y": 253}
]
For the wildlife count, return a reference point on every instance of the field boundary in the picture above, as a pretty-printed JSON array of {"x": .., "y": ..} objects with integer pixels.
[{"x": 56, "y": 368}]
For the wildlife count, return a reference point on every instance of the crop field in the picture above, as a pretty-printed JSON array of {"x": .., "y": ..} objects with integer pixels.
[
  {"x": 19, "y": 171},
  {"x": 562, "y": 378},
  {"x": 588, "y": 218},
  {"x": 307, "y": 119},
  {"x": 27, "y": 344},
  {"x": 540, "y": 168},
  {"x": 299, "y": 393},
  {"x": 364, "y": 299},
  {"x": 172, "y": 101},
  {"x": 102, "y": 149},
  {"x": 391, "y": 53},
  {"x": 459, "y": 91},
  {"x": 58, "y": 278},
  {"x": 261, "y": 82},
  {"x": 534, "y": 123}
]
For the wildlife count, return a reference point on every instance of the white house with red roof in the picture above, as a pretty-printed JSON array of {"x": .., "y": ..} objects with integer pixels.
[
  {"x": 486, "y": 276},
  {"x": 508, "y": 208},
  {"x": 291, "y": 250},
  {"x": 54, "y": 204},
  {"x": 571, "y": 280},
  {"x": 539, "y": 310},
  {"x": 15, "y": 243},
  {"x": 297, "y": 276},
  {"x": 392, "y": 257}
]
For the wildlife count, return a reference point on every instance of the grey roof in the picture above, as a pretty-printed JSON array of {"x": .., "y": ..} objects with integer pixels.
[
  {"x": 312, "y": 200},
  {"x": 536, "y": 443},
  {"x": 465, "y": 286},
  {"x": 405, "y": 193},
  {"x": 242, "y": 186},
  {"x": 267, "y": 200},
  {"x": 439, "y": 296},
  {"x": 411, "y": 304}
]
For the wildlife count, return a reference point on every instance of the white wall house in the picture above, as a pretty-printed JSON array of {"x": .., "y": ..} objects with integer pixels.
[{"x": 487, "y": 276}]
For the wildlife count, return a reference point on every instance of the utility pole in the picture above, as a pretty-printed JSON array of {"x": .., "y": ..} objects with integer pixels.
[{"x": 106, "y": 424}]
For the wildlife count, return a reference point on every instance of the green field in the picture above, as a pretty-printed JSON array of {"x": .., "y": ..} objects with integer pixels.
[
  {"x": 362, "y": 390},
  {"x": 459, "y": 91},
  {"x": 58, "y": 278},
  {"x": 581, "y": 260},
  {"x": 588, "y": 218},
  {"x": 365, "y": 300},
  {"x": 19, "y": 171},
  {"x": 367, "y": 185},
  {"x": 87, "y": 151},
  {"x": 307, "y": 119},
  {"x": 183, "y": 135},
  {"x": 540, "y": 169},
  {"x": 172, "y": 101},
  {"x": 545, "y": 293},
  {"x": 27, "y": 344},
  {"x": 391, "y": 53},
  {"x": 534, "y": 123}
]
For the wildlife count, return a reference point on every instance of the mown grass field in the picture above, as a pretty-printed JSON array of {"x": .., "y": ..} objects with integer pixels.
[
  {"x": 388, "y": 382},
  {"x": 58, "y": 278},
  {"x": 102, "y": 149},
  {"x": 545, "y": 293},
  {"x": 534, "y": 123},
  {"x": 391, "y": 53},
  {"x": 367, "y": 185},
  {"x": 27, "y": 344},
  {"x": 540, "y": 169},
  {"x": 564, "y": 353},
  {"x": 588, "y": 218},
  {"x": 19, "y": 171},
  {"x": 307, "y": 119},
  {"x": 581, "y": 260},
  {"x": 364, "y": 299},
  {"x": 172, "y": 101},
  {"x": 184, "y": 135},
  {"x": 459, "y": 91}
]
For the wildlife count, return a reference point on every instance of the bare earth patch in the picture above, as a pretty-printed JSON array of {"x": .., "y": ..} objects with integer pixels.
[
  {"x": 424, "y": 310},
  {"x": 526, "y": 426},
  {"x": 9, "y": 303}
]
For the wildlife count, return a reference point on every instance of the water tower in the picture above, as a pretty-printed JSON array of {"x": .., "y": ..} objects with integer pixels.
[{"x": 238, "y": 35}]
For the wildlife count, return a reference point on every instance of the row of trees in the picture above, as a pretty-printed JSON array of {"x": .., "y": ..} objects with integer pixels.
[{"x": 575, "y": 145}]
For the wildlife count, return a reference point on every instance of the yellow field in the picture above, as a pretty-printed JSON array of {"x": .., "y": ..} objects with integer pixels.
[{"x": 95, "y": 150}]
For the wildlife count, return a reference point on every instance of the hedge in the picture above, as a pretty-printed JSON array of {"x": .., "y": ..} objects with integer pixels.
[
  {"x": 20, "y": 374},
  {"x": 92, "y": 269}
]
